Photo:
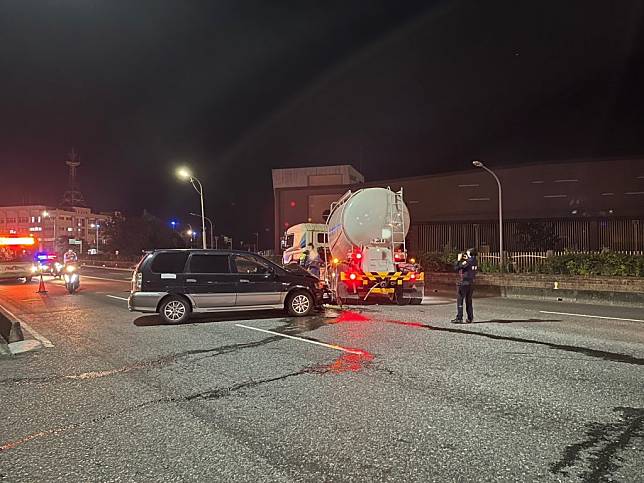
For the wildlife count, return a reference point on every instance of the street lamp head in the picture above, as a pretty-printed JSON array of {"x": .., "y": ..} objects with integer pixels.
[
  {"x": 477, "y": 163},
  {"x": 184, "y": 173},
  {"x": 45, "y": 214},
  {"x": 189, "y": 232}
]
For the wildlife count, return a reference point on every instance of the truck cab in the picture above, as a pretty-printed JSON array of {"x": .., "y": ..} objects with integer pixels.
[{"x": 298, "y": 237}]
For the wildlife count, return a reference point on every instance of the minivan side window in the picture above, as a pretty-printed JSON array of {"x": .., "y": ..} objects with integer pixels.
[
  {"x": 202, "y": 263},
  {"x": 172, "y": 262},
  {"x": 250, "y": 265}
]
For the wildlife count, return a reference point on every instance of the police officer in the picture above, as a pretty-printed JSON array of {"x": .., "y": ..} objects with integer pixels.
[{"x": 466, "y": 266}]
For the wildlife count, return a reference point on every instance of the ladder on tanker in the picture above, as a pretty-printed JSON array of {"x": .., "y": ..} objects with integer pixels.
[{"x": 397, "y": 220}]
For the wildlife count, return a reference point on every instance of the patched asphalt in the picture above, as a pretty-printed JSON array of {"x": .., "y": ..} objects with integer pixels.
[{"x": 395, "y": 393}]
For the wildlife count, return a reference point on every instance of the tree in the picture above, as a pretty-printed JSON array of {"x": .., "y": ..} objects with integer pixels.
[{"x": 132, "y": 235}]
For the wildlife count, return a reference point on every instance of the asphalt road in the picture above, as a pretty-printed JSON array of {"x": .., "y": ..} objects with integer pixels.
[{"x": 532, "y": 391}]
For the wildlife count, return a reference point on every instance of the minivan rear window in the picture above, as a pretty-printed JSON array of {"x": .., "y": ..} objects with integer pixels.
[
  {"x": 169, "y": 262},
  {"x": 209, "y": 264}
]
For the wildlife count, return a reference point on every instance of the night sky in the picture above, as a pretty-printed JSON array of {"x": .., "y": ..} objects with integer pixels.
[{"x": 235, "y": 88}]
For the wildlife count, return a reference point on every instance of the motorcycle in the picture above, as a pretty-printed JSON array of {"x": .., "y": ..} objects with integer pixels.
[
  {"x": 71, "y": 277},
  {"x": 57, "y": 270}
]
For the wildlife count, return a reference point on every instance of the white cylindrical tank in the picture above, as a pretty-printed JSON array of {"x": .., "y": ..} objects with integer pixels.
[{"x": 365, "y": 216}]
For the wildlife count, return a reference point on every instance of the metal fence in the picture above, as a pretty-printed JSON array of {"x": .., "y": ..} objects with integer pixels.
[
  {"x": 529, "y": 261},
  {"x": 618, "y": 234}
]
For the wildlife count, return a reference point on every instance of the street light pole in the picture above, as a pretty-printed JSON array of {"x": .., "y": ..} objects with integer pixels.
[
  {"x": 185, "y": 174},
  {"x": 209, "y": 221},
  {"x": 479, "y": 164}
]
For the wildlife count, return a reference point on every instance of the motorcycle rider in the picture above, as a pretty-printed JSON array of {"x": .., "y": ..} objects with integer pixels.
[{"x": 70, "y": 257}]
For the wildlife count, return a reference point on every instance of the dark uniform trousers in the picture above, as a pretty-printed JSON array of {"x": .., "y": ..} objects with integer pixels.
[{"x": 464, "y": 295}]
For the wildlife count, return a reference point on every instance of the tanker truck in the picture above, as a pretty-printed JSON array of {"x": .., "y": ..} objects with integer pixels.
[{"x": 366, "y": 240}]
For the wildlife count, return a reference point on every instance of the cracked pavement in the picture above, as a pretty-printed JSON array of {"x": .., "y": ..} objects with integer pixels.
[{"x": 393, "y": 393}]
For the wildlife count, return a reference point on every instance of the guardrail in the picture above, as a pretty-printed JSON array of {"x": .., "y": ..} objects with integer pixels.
[{"x": 108, "y": 264}]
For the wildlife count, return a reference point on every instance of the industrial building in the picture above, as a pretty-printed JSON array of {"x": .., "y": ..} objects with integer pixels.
[{"x": 581, "y": 205}]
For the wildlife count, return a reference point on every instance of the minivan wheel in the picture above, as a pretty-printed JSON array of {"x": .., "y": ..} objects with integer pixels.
[
  {"x": 300, "y": 303},
  {"x": 174, "y": 310}
]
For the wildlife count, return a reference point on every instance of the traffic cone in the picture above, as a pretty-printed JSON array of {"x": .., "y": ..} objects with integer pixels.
[
  {"x": 41, "y": 287},
  {"x": 15, "y": 335}
]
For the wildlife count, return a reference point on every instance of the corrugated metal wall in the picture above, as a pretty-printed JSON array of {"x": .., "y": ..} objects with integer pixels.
[{"x": 573, "y": 234}]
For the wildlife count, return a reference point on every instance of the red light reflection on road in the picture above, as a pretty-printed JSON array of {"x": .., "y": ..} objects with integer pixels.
[
  {"x": 350, "y": 361},
  {"x": 349, "y": 316}
]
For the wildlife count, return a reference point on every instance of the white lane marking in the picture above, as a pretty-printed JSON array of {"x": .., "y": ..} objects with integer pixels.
[
  {"x": 43, "y": 340},
  {"x": 308, "y": 341},
  {"x": 115, "y": 297},
  {"x": 591, "y": 316},
  {"x": 108, "y": 279}
]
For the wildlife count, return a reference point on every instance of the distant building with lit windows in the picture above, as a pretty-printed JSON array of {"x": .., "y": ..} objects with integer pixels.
[
  {"x": 587, "y": 205},
  {"x": 53, "y": 228}
]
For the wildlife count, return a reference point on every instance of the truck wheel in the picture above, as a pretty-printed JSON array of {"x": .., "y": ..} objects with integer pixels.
[
  {"x": 416, "y": 301},
  {"x": 28, "y": 279},
  {"x": 400, "y": 298},
  {"x": 300, "y": 303},
  {"x": 174, "y": 310}
]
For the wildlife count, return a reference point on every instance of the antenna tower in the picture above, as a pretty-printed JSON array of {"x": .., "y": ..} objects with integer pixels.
[{"x": 73, "y": 195}]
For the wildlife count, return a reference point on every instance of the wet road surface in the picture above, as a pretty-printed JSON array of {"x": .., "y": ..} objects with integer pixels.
[{"x": 532, "y": 391}]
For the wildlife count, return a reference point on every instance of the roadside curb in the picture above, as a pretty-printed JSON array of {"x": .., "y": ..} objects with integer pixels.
[
  {"x": 12, "y": 339},
  {"x": 24, "y": 346},
  {"x": 561, "y": 292},
  {"x": 10, "y": 330}
]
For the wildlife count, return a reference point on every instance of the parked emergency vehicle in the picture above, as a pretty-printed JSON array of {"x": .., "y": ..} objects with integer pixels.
[{"x": 17, "y": 258}]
